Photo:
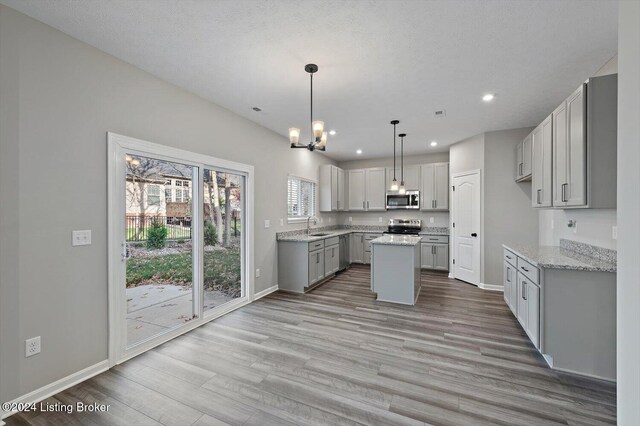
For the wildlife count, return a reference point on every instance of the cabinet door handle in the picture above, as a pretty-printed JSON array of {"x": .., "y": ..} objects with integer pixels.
[
  {"x": 538, "y": 195},
  {"x": 564, "y": 192},
  {"x": 317, "y": 257},
  {"x": 508, "y": 257},
  {"x": 367, "y": 205},
  {"x": 435, "y": 204},
  {"x": 508, "y": 274},
  {"x": 433, "y": 249},
  {"x": 524, "y": 269},
  {"x": 524, "y": 290},
  {"x": 364, "y": 205}
]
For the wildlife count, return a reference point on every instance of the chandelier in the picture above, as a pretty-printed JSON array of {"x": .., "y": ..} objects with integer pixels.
[{"x": 319, "y": 141}]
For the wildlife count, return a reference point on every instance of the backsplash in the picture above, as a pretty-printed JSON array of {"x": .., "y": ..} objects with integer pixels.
[
  {"x": 595, "y": 252},
  {"x": 364, "y": 228}
]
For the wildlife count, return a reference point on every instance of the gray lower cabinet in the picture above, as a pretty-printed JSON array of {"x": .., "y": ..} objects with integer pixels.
[
  {"x": 357, "y": 248},
  {"x": 367, "y": 247},
  {"x": 331, "y": 259},
  {"x": 434, "y": 253},
  {"x": 316, "y": 266},
  {"x": 522, "y": 294},
  {"x": 302, "y": 265}
]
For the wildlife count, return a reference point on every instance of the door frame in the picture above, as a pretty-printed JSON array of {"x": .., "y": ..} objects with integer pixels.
[
  {"x": 454, "y": 230},
  {"x": 117, "y": 146}
]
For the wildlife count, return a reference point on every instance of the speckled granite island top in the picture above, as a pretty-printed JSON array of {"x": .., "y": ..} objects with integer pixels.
[
  {"x": 300, "y": 235},
  {"x": 553, "y": 257},
  {"x": 397, "y": 240}
]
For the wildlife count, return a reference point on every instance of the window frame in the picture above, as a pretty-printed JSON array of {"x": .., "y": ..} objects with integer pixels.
[{"x": 314, "y": 212}]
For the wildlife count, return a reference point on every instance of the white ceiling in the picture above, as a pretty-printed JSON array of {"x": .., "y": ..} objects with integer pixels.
[{"x": 379, "y": 60}]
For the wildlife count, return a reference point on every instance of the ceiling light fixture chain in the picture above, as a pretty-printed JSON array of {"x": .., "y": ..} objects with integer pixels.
[
  {"x": 319, "y": 136},
  {"x": 394, "y": 183},
  {"x": 402, "y": 189}
]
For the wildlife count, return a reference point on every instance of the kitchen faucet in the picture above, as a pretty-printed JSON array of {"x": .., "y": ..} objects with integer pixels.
[{"x": 315, "y": 222}]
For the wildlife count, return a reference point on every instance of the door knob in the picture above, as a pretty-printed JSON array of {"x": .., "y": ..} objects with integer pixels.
[{"x": 474, "y": 235}]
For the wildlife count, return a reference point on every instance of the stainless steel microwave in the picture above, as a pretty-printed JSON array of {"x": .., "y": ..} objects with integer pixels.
[{"x": 410, "y": 200}]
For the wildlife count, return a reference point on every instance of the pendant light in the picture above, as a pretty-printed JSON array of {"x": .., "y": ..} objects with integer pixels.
[
  {"x": 394, "y": 183},
  {"x": 319, "y": 141},
  {"x": 402, "y": 189}
]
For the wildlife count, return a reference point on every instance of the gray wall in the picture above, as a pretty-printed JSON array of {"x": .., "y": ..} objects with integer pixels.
[
  {"x": 594, "y": 226},
  {"x": 508, "y": 215},
  {"x": 381, "y": 218},
  {"x": 59, "y": 98},
  {"x": 628, "y": 297}
]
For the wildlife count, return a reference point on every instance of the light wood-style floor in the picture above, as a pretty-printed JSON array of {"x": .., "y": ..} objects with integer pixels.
[{"x": 336, "y": 356}]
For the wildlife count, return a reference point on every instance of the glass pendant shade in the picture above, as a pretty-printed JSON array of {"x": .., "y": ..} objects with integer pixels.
[
  {"x": 294, "y": 135},
  {"x": 323, "y": 139},
  {"x": 318, "y": 128},
  {"x": 402, "y": 189},
  {"x": 394, "y": 185}
]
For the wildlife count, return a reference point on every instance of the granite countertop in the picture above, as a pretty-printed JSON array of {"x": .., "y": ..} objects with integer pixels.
[
  {"x": 302, "y": 237},
  {"x": 397, "y": 240},
  {"x": 553, "y": 257}
]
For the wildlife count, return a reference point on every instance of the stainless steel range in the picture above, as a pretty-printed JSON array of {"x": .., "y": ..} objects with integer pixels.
[{"x": 404, "y": 226}]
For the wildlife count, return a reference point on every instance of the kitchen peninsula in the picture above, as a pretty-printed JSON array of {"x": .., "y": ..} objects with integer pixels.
[{"x": 395, "y": 268}]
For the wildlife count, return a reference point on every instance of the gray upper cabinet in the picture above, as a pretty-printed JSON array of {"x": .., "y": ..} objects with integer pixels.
[
  {"x": 356, "y": 185},
  {"x": 541, "y": 176},
  {"x": 375, "y": 180},
  {"x": 524, "y": 160},
  {"x": 367, "y": 189},
  {"x": 574, "y": 150},
  {"x": 332, "y": 188},
  {"x": 411, "y": 177},
  {"x": 435, "y": 186},
  {"x": 342, "y": 190}
]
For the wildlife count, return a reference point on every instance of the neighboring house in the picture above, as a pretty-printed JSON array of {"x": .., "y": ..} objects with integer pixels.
[{"x": 162, "y": 195}]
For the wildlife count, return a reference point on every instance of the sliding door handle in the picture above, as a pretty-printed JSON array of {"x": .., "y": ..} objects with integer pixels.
[
  {"x": 524, "y": 290},
  {"x": 538, "y": 193}
]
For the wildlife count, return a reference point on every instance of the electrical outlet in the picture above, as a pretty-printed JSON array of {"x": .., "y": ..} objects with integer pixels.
[
  {"x": 553, "y": 224},
  {"x": 258, "y": 273},
  {"x": 267, "y": 223},
  {"x": 380, "y": 219},
  {"x": 281, "y": 222},
  {"x": 614, "y": 232},
  {"x": 32, "y": 346},
  {"x": 350, "y": 219},
  {"x": 431, "y": 219},
  {"x": 81, "y": 238}
]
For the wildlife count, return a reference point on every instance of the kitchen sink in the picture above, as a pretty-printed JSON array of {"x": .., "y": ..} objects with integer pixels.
[{"x": 320, "y": 234}]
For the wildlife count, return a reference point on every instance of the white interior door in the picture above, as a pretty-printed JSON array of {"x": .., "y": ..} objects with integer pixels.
[{"x": 466, "y": 227}]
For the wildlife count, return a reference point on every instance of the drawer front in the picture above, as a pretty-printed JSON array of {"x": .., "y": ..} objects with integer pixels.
[
  {"x": 316, "y": 245},
  {"x": 331, "y": 241},
  {"x": 511, "y": 258},
  {"x": 528, "y": 270},
  {"x": 435, "y": 239},
  {"x": 367, "y": 245},
  {"x": 371, "y": 236}
]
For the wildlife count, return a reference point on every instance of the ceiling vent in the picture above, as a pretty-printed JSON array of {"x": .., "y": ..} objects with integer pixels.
[
  {"x": 256, "y": 109},
  {"x": 440, "y": 113}
]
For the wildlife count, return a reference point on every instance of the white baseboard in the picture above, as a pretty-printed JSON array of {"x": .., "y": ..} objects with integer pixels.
[
  {"x": 491, "y": 287},
  {"x": 57, "y": 386},
  {"x": 451, "y": 275},
  {"x": 265, "y": 292}
]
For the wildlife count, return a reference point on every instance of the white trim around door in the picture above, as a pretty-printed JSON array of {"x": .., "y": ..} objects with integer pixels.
[
  {"x": 118, "y": 147},
  {"x": 466, "y": 226}
]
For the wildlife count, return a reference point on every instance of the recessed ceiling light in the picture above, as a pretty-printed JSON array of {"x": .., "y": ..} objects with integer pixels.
[
  {"x": 256, "y": 109},
  {"x": 332, "y": 132},
  {"x": 433, "y": 143},
  {"x": 359, "y": 152},
  {"x": 488, "y": 97}
]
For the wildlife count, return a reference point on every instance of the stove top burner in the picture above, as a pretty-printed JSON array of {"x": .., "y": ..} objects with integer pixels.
[{"x": 404, "y": 226}]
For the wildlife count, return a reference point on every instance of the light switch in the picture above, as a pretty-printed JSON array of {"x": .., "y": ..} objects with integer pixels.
[
  {"x": 81, "y": 238},
  {"x": 431, "y": 219},
  {"x": 614, "y": 232},
  {"x": 258, "y": 273},
  {"x": 281, "y": 222},
  {"x": 379, "y": 219},
  {"x": 267, "y": 223},
  {"x": 350, "y": 219}
]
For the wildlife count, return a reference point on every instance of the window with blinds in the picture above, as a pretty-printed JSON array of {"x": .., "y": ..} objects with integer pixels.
[{"x": 301, "y": 198}]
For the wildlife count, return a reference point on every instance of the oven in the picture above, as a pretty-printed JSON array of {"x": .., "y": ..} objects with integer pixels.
[{"x": 410, "y": 200}]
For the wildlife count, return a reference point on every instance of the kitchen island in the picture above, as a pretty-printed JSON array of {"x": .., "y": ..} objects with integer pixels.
[{"x": 395, "y": 268}]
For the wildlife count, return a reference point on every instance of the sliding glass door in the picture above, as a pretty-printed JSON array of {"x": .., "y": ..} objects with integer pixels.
[{"x": 178, "y": 242}]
